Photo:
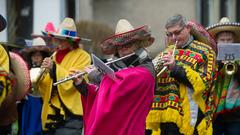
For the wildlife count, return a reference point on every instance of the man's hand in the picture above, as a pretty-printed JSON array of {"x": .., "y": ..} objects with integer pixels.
[
  {"x": 77, "y": 80},
  {"x": 47, "y": 63},
  {"x": 169, "y": 60}
]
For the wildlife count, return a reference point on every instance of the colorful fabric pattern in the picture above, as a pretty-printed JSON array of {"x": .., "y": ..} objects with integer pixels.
[
  {"x": 119, "y": 107},
  {"x": 227, "y": 93},
  {"x": 66, "y": 94},
  {"x": 5, "y": 80},
  {"x": 171, "y": 102}
]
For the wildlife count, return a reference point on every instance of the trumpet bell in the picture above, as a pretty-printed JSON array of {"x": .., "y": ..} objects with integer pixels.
[
  {"x": 230, "y": 68},
  {"x": 35, "y": 74}
]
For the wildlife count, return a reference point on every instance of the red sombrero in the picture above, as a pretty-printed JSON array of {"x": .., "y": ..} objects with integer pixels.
[{"x": 125, "y": 34}]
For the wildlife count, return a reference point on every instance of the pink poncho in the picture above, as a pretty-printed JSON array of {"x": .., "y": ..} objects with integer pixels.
[{"x": 119, "y": 107}]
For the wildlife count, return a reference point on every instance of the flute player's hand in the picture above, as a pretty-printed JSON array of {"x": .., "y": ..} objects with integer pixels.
[{"x": 77, "y": 80}]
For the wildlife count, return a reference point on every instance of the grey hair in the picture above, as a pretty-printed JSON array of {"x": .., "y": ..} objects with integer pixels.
[{"x": 176, "y": 19}]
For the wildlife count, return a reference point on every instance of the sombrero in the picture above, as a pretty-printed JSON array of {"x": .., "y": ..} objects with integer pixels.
[
  {"x": 37, "y": 44},
  {"x": 225, "y": 25},
  {"x": 201, "y": 34},
  {"x": 67, "y": 30},
  {"x": 3, "y": 23},
  {"x": 49, "y": 28},
  {"x": 21, "y": 73},
  {"x": 125, "y": 34}
]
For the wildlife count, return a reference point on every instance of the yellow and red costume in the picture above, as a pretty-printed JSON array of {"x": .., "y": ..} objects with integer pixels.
[{"x": 65, "y": 96}]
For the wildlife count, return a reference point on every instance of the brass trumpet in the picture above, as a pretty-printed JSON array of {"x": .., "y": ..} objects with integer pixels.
[
  {"x": 230, "y": 67},
  {"x": 160, "y": 62},
  {"x": 36, "y": 74}
]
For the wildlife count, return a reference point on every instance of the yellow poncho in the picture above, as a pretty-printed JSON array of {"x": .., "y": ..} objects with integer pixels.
[
  {"x": 4, "y": 71},
  {"x": 66, "y": 92}
]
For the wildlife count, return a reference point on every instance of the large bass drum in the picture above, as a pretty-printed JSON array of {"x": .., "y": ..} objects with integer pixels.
[{"x": 21, "y": 72}]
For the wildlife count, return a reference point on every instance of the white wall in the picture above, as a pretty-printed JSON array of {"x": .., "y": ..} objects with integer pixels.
[
  {"x": 139, "y": 12},
  {"x": 84, "y": 10},
  {"x": 47, "y": 11},
  {"x": 3, "y": 12}
]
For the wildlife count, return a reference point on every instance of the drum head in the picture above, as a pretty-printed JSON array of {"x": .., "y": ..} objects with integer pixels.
[{"x": 21, "y": 72}]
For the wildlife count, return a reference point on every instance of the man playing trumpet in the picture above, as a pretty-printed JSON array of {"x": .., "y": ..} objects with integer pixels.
[
  {"x": 227, "y": 96},
  {"x": 180, "y": 102},
  {"x": 62, "y": 107}
]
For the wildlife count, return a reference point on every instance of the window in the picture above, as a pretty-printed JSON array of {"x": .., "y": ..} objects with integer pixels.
[
  {"x": 204, "y": 12},
  {"x": 20, "y": 19},
  {"x": 238, "y": 11},
  {"x": 70, "y": 6}
]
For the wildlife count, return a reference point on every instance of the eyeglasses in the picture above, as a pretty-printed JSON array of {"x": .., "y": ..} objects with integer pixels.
[{"x": 176, "y": 33}]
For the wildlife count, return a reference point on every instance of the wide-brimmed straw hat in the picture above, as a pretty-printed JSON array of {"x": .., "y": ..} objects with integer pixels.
[
  {"x": 201, "y": 34},
  {"x": 49, "y": 28},
  {"x": 67, "y": 30},
  {"x": 3, "y": 23},
  {"x": 225, "y": 25},
  {"x": 37, "y": 44},
  {"x": 125, "y": 34}
]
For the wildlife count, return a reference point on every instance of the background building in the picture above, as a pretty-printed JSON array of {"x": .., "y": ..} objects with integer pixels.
[{"x": 30, "y": 16}]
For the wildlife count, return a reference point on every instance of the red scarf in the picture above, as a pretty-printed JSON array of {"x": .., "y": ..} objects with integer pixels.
[{"x": 61, "y": 54}]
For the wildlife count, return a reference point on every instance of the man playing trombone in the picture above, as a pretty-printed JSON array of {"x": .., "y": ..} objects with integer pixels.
[
  {"x": 119, "y": 106},
  {"x": 227, "y": 86},
  {"x": 62, "y": 107},
  {"x": 181, "y": 99}
]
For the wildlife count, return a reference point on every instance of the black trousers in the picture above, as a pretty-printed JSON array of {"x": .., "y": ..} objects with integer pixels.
[
  {"x": 6, "y": 130},
  {"x": 72, "y": 126},
  {"x": 169, "y": 128}
]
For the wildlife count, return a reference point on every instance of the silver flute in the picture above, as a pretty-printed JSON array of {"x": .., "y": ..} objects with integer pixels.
[{"x": 81, "y": 73}]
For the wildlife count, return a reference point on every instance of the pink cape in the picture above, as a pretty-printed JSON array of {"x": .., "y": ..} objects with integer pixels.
[{"x": 119, "y": 107}]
